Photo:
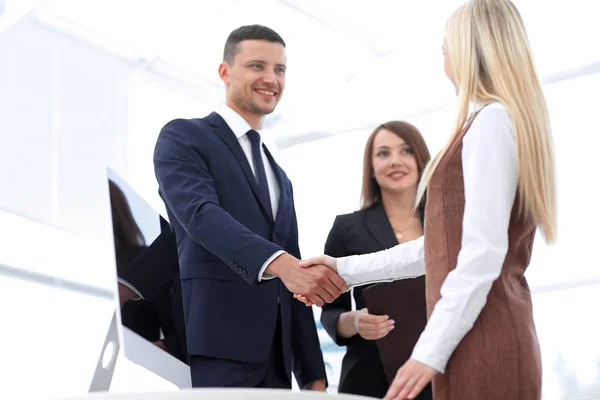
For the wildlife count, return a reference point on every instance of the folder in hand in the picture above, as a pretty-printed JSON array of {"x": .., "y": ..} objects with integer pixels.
[{"x": 404, "y": 302}]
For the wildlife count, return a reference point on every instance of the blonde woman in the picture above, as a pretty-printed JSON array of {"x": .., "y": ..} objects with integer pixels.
[{"x": 487, "y": 191}]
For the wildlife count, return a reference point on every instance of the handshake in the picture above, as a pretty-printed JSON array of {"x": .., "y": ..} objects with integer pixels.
[{"x": 313, "y": 281}]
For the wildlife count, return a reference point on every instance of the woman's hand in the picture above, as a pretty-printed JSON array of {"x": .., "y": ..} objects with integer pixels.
[
  {"x": 372, "y": 327},
  {"x": 303, "y": 299},
  {"x": 410, "y": 380},
  {"x": 324, "y": 259}
]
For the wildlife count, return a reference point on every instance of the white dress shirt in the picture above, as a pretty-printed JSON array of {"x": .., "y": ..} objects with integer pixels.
[
  {"x": 137, "y": 295},
  {"x": 240, "y": 127},
  {"x": 489, "y": 159}
]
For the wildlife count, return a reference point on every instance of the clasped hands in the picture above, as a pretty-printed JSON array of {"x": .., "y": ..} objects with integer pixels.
[
  {"x": 313, "y": 281},
  {"x": 319, "y": 261}
]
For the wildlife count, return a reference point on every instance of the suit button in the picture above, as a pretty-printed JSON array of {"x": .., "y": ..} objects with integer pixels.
[
  {"x": 244, "y": 273},
  {"x": 172, "y": 290}
]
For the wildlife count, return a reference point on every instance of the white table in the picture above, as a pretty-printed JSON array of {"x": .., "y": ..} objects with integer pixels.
[{"x": 219, "y": 394}]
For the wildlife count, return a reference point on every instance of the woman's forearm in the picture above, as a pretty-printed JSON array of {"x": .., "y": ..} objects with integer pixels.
[
  {"x": 346, "y": 324},
  {"x": 400, "y": 262}
]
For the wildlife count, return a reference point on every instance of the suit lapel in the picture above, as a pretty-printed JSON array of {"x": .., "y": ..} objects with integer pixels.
[
  {"x": 226, "y": 134},
  {"x": 379, "y": 226},
  {"x": 283, "y": 217}
]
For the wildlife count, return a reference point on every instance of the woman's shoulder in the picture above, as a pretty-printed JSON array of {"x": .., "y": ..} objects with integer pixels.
[
  {"x": 349, "y": 219},
  {"x": 355, "y": 216},
  {"x": 494, "y": 115},
  {"x": 494, "y": 111},
  {"x": 354, "y": 220}
]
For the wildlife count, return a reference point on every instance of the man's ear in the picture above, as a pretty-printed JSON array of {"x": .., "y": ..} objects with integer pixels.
[{"x": 224, "y": 72}]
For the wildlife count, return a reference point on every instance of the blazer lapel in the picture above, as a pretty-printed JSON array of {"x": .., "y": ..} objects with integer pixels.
[
  {"x": 226, "y": 134},
  {"x": 283, "y": 216},
  {"x": 379, "y": 226}
]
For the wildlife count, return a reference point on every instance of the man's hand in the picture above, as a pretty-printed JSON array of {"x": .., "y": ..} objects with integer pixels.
[
  {"x": 318, "y": 386},
  {"x": 159, "y": 343},
  {"x": 319, "y": 284},
  {"x": 325, "y": 260}
]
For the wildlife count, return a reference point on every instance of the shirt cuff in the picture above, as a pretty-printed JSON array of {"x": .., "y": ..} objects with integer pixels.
[
  {"x": 430, "y": 362},
  {"x": 261, "y": 274},
  {"x": 138, "y": 295}
]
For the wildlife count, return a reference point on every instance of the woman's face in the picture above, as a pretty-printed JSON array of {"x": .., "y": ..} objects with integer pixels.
[
  {"x": 394, "y": 164},
  {"x": 448, "y": 65}
]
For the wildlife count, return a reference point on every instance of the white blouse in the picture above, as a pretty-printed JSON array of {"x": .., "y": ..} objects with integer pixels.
[{"x": 489, "y": 160}]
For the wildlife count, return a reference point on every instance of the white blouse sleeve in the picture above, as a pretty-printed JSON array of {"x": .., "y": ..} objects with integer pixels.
[
  {"x": 400, "y": 262},
  {"x": 489, "y": 161}
]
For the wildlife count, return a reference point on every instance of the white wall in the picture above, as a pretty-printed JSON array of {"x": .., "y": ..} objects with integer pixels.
[
  {"x": 63, "y": 117},
  {"x": 154, "y": 101}
]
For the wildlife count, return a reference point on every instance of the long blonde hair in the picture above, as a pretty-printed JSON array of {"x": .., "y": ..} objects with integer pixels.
[{"x": 491, "y": 61}]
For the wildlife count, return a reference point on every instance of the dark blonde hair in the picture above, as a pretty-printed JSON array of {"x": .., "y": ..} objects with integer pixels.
[{"x": 371, "y": 192}]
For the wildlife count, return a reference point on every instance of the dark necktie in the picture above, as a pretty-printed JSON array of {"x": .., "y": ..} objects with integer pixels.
[{"x": 259, "y": 168}]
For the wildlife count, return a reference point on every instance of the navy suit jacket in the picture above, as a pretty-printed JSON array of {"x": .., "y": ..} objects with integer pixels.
[{"x": 225, "y": 235}]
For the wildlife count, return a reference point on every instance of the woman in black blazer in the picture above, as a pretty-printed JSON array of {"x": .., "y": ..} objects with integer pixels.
[{"x": 395, "y": 155}]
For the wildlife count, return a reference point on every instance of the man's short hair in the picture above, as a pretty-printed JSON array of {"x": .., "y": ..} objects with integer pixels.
[{"x": 248, "y": 32}]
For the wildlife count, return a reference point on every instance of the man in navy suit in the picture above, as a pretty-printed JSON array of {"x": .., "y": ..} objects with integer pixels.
[{"x": 233, "y": 213}]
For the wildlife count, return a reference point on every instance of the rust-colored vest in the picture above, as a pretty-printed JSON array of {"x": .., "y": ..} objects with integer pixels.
[{"x": 499, "y": 358}]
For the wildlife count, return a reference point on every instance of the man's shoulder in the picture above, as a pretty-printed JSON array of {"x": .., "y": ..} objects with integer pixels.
[
  {"x": 186, "y": 124},
  {"x": 190, "y": 128}
]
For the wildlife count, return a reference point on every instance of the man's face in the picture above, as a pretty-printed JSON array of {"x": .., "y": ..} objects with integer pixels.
[{"x": 255, "y": 81}]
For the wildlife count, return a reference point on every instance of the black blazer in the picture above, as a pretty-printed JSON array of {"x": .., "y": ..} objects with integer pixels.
[{"x": 361, "y": 232}]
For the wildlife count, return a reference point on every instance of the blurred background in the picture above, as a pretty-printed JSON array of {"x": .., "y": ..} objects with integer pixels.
[{"x": 89, "y": 83}]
